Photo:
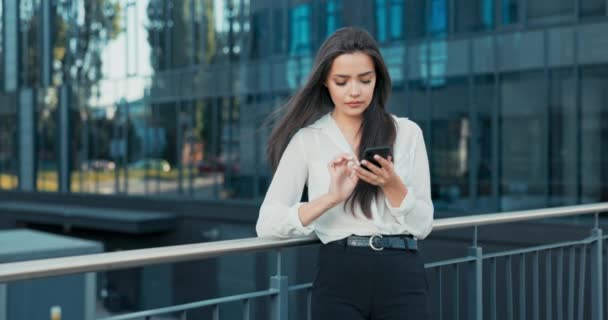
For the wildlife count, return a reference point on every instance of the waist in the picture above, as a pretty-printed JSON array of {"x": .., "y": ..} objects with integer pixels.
[{"x": 379, "y": 242}]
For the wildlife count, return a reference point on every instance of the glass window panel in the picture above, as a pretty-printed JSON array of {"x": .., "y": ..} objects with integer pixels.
[
  {"x": 1, "y": 46},
  {"x": 29, "y": 21},
  {"x": 523, "y": 142},
  {"x": 46, "y": 148},
  {"x": 334, "y": 21},
  {"x": 300, "y": 30},
  {"x": 438, "y": 18},
  {"x": 474, "y": 15},
  {"x": 563, "y": 138},
  {"x": 396, "y": 19},
  {"x": 509, "y": 11},
  {"x": 550, "y": 11},
  {"x": 381, "y": 20},
  {"x": 594, "y": 130},
  {"x": 8, "y": 142},
  {"x": 279, "y": 31},
  {"x": 415, "y": 19},
  {"x": 449, "y": 149},
  {"x": 485, "y": 103},
  {"x": 592, "y": 8}
]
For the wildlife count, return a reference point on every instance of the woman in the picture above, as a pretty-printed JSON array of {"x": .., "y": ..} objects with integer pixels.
[{"x": 367, "y": 217}]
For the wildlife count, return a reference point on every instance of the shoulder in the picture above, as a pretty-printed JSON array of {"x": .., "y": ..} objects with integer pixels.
[{"x": 406, "y": 127}]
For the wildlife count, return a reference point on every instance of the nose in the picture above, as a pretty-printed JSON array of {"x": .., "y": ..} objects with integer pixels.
[{"x": 355, "y": 91}]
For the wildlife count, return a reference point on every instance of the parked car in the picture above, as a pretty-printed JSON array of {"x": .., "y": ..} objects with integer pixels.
[
  {"x": 98, "y": 165},
  {"x": 151, "y": 164},
  {"x": 215, "y": 165}
]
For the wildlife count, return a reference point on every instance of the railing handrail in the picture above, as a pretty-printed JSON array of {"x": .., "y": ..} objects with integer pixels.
[{"x": 141, "y": 257}]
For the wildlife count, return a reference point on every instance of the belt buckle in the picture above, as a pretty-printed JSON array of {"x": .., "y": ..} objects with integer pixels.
[{"x": 371, "y": 242}]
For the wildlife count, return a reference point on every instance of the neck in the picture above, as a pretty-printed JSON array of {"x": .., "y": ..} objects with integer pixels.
[{"x": 350, "y": 124}]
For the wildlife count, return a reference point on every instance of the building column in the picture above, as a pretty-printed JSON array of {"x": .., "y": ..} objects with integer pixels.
[
  {"x": 63, "y": 127},
  {"x": 10, "y": 40},
  {"x": 26, "y": 115}
]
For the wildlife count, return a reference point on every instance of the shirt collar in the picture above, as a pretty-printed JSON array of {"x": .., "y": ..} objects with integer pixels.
[{"x": 328, "y": 126}]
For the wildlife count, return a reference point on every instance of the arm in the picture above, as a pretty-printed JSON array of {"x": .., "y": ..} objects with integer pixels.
[
  {"x": 282, "y": 214},
  {"x": 415, "y": 207}
]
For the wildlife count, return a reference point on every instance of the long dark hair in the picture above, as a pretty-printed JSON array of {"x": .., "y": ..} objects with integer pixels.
[{"x": 312, "y": 101}]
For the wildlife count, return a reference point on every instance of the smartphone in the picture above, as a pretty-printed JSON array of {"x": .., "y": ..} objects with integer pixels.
[{"x": 383, "y": 151}]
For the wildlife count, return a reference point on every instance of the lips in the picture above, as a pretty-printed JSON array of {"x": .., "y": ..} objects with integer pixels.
[{"x": 354, "y": 103}]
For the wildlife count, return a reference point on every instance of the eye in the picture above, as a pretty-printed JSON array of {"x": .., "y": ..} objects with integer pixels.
[
  {"x": 340, "y": 84},
  {"x": 366, "y": 81}
]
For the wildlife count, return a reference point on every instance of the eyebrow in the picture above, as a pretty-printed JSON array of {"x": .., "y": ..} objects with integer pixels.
[{"x": 360, "y": 75}]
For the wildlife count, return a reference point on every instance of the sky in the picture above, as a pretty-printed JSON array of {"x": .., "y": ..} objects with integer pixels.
[{"x": 116, "y": 61}]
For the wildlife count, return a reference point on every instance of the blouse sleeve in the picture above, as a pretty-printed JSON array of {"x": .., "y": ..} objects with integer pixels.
[
  {"x": 279, "y": 212},
  {"x": 416, "y": 210}
]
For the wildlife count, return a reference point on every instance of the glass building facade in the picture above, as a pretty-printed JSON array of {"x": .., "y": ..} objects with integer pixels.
[{"x": 168, "y": 98}]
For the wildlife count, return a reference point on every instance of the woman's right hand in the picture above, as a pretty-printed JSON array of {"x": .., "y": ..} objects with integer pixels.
[{"x": 343, "y": 178}]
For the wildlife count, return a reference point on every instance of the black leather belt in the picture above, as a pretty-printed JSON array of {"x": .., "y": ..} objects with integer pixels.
[{"x": 379, "y": 242}]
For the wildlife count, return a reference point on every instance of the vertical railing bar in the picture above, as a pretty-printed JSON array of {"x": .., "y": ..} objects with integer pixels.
[
  {"x": 309, "y": 304},
  {"x": 596, "y": 264},
  {"x": 509, "y": 284},
  {"x": 246, "y": 309},
  {"x": 571, "y": 284},
  {"x": 183, "y": 315},
  {"x": 440, "y": 281},
  {"x": 457, "y": 292},
  {"x": 216, "y": 312},
  {"x": 535, "y": 287},
  {"x": 279, "y": 260},
  {"x": 522, "y": 287},
  {"x": 581, "y": 281},
  {"x": 596, "y": 219},
  {"x": 559, "y": 274},
  {"x": 548, "y": 301},
  {"x": 493, "y": 288}
]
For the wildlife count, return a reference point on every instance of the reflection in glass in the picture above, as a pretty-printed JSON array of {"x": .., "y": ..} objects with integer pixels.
[
  {"x": 563, "y": 184},
  {"x": 449, "y": 142},
  {"x": 485, "y": 103},
  {"x": 550, "y": 11},
  {"x": 509, "y": 11},
  {"x": 594, "y": 130},
  {"x": 415, "y": 19},
  {"x": 523, "y": 143},
  {"x": 389, "y": 20},
  {"x": 592, "y": 8},
  {"x": 46, "y": 117},
  {"x": 474, "y": 15},
  {"x": 8, "y": 142},
  {"x": 334, "y": 9},
  {"x": 438, "y": 19}
]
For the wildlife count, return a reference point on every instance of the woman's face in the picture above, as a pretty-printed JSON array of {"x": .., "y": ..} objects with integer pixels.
[{"x": 351, "y": 83}]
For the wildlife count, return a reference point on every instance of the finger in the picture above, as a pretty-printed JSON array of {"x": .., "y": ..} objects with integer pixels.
[
  {"x": 361, "y": 175},
  {"x": 372, "y": 167},
  {"x": 383, "y": 162},
  {"x": 367, "y": 175}
]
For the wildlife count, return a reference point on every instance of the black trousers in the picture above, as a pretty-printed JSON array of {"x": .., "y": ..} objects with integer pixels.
[{"x": 359, "y": 283}]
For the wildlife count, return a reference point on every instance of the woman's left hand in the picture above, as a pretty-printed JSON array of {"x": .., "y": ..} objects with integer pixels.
[{"x": 379, "y": 176}]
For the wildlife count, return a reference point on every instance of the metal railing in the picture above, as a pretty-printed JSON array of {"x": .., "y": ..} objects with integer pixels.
[{"x": 472, "y": 265}]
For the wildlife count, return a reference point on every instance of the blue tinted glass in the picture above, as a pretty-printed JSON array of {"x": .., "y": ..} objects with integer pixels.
[
  {"x": 487, "y": 13},
  {"x": 438, "y": 18},
  {"x": 396, "y": 12},
  {"x": 381, "y": 20},
  {"x": 299, "y": 40}
]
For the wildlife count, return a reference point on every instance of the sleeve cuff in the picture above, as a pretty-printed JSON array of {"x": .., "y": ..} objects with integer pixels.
[
  {"x": 294, "y": 218},
  {"x": 407, "y": 204}
]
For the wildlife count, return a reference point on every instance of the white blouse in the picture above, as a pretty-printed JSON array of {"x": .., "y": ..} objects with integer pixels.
[{"x": 304, "y": 162}]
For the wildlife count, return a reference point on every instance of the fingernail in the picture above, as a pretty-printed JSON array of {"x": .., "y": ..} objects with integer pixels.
[{"x": 376, "y": 156}]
